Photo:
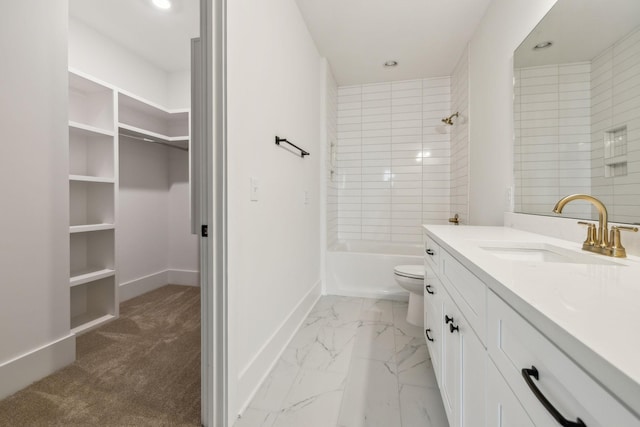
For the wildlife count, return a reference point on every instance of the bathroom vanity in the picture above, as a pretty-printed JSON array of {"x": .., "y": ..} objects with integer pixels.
[{"x": 528, "y": 330}]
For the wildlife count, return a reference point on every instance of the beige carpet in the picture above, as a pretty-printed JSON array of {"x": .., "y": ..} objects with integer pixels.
[{"x": 140, "y": 370}]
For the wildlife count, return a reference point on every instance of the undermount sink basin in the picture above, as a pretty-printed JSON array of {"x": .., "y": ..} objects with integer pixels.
[{"x": 540, "y": 252}]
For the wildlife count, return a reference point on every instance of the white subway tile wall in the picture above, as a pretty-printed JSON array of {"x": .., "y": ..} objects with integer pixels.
[
  {"x": 552, "y": 156},
  {"x": 392, "y": 165},
  {"x": 460, "y": 139},
  {"x": 615, "y": 86},
  {"x": 332, "y": 147}
]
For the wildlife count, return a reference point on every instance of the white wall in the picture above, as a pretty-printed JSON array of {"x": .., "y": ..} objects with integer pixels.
[
  {"x": 101, "y": 57},
  {"x": 392, "y": 163},
  {"x": 460, "y": 139},
  {"x": 183, "y": 246},
  {"x": 34, "y": 248},
  {"x": 505, "y": 24},
  {"x": 274, "y": 243},
  {"x": 143, "y": 218},
  {"x": 179, "y": 90}
]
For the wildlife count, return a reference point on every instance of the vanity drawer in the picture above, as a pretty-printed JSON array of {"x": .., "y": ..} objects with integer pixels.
[
  {"x": 468, "y": 292},
  {"x": 515, "y": 345},
  {"x": 432, "y": 254}
]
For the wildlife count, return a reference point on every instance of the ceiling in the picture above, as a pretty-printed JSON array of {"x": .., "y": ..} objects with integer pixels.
[
  {"x": 580, "y": 30},
  {"x": 160, "y": 37},
  {"x": 426, "y": 37}
]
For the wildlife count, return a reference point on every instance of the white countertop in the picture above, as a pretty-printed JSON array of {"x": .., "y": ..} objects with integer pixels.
[{"x": 590, "y": 311}]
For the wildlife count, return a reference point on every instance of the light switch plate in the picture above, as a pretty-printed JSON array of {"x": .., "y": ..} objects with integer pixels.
[{"x": 255, "y": 189}]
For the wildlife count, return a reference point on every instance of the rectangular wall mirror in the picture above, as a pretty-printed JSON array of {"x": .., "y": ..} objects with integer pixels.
[{"x": 577, "y": 110}]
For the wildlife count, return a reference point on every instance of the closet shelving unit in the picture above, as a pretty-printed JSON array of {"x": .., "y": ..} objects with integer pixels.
[
  {"x": 146, "y": 121},
  {"x": 99, "y": 115},
  {"x": 93, "y": 179}
]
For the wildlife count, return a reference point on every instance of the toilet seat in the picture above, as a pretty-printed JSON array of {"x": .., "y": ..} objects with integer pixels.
[{"x": 410, "y": 271}]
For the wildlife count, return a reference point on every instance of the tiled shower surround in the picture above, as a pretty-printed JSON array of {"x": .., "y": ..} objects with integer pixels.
[{"x": 391, "y": 161}]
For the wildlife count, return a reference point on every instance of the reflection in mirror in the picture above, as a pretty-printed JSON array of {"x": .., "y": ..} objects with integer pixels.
[{"x": 577, "y": 110}]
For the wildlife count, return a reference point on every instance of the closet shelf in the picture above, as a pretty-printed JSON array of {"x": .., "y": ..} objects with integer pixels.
[
  {"x": 86, "y": 321},
  {"x": 136, "y": 132},
  {"x": 92, "y": 130},
  {"x": 90, "y": 227},
  {"x": 87, "y": 275},
  {"x": 87, "y": 178}
]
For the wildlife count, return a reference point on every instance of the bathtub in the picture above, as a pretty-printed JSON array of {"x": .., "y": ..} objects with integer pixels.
[{"x": 365, "y": 268}]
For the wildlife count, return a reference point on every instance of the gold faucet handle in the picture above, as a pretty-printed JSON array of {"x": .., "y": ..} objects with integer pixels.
[
  {"x": 455, "y": 220},
  {"x": 616, "y": 243},
  {"x": 591, "y": 233}
]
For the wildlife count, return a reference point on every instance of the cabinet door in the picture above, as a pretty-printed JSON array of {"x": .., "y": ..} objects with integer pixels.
[
  {"x": 503, "y": 408},
  {"x": 463, "y": 369},
  {"x": 451, "y": 362},
  {"x": 473, "y": 358}
]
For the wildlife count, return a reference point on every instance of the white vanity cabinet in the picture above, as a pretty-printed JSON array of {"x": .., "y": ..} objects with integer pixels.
[
  {"x": 457, "y": 354},
  {"x": 520, "y": 353},
  {"x": 493, "y": 367},
  {"x": 503, "y": 408}
]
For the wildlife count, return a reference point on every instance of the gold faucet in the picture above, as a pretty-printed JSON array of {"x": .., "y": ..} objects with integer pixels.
[{"x": 599, "y": 242}]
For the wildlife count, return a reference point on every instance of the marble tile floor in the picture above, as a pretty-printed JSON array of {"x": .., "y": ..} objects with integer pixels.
[{"x": 354, "y": 362}]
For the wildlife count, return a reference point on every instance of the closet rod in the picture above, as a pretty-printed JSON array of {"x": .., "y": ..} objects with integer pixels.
[{"x": 153, "y": 141}]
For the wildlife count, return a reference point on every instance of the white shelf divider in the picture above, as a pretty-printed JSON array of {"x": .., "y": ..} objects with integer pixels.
[
  {"x": 90, "y": 129},
  {"x": 129, "y": 130},
  {"x": 86, "y": 178},
  {"x": 89, "y": 275},
  {"x": 90, "y": 227}
]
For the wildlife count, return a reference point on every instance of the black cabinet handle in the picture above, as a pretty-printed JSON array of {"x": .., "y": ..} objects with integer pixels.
[
  {"x": 430, "y": 252},
  {"x": 426, "y": 332},
  {"x": 447, "y": 319},
  {"x": 452, "y": 328},
  {"x": 533, "y": 372},
  {"x": 428, "y": 289}
]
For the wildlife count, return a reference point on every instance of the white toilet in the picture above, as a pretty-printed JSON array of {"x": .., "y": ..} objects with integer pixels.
[{"x": 411, "y": 278}]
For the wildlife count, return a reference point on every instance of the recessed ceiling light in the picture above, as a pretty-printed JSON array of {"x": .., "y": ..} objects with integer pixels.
[
  {"x": 391, "y": 63},
  {"x": 542, "y": 45},
  {"x": 162, "y": 4}
]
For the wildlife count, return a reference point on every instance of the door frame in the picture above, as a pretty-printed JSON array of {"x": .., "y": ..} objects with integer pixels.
[{"x": 213, "y": 213}]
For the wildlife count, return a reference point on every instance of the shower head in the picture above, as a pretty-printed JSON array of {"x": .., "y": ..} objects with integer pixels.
[{"x": 449, "y": 120}]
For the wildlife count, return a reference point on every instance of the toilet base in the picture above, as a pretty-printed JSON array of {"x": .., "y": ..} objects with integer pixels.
[{"x": 415, "y": 312}]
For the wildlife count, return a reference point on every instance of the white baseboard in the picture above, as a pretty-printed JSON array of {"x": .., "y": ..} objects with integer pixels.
[
  {"x": 36, "y": 364},
  {"x": 142, "y": 285},
  {"x": 400, "y": 295},
  {"x": 252, "y": 376},
  {"x": 184, "y": 277}
]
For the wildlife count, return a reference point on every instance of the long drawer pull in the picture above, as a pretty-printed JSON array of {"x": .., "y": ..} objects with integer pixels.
[
  {"x": 533, "y": 372},
  {"x": 426, "y": 332},
  {"x": 430, "y": 252},
  {"x": 428, "y": 289}
]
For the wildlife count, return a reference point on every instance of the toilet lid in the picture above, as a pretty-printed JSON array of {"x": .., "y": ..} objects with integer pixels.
[{"x": 412, "y": 271}]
